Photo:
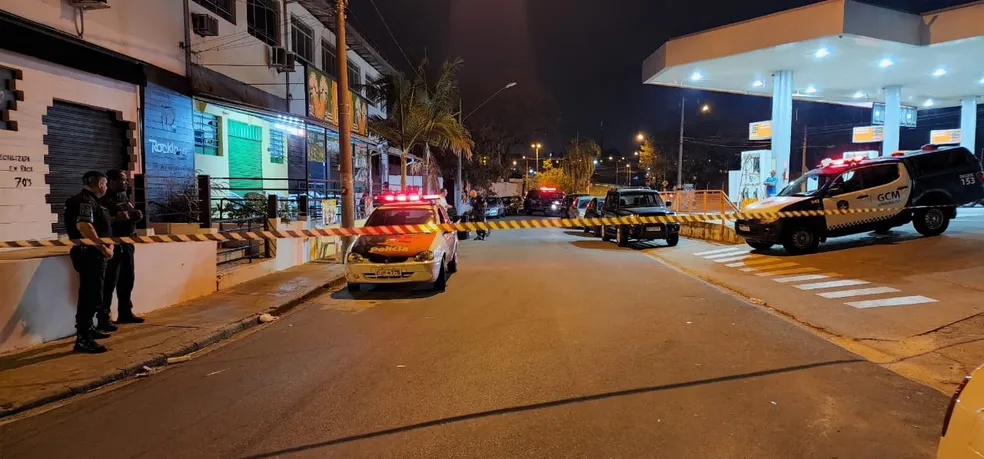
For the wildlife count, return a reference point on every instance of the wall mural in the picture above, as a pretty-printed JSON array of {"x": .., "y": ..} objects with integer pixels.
[{"x": 323, "y": 102}]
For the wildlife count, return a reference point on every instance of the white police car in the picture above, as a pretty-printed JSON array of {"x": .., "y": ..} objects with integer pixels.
[
  {"x": 936, "y": 180},
  {"x": 404, "y": 258}
]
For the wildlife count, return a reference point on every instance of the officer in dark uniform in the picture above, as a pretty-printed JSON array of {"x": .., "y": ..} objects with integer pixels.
[
  {"x": 86, "y": 218},
  {"x": 479, "y": 204},
  {"x": 120, "y": 269}
]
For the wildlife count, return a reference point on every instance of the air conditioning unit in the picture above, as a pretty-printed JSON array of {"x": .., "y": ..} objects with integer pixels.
[
  {"x": 205, "y": 25},
  {"x": 89, "y": 4},
  {"x": 281, "y": 59}
]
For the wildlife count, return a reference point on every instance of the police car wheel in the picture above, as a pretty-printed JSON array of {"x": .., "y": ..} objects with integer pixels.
[
  {"x": 801, "y": 240},
  {"x": 672, "y": 240},
  {"x": 442, "y": 279},
  {"x": 931, "y": 222},
  {"x": 596, "y": 231},
  {"x": 604, "y": 235},
  {"x": 453, "y": 266}
]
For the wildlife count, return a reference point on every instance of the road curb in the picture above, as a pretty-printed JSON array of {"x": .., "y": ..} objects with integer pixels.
[{"x": 161, "y": 360}]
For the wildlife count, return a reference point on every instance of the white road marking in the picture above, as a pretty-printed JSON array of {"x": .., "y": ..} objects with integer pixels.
[
  {"x": 727, "y": 254},
  {"x": 832, "y": 284},
  {"x": 715, "y": 251},
  {"x": 897, "y": 301},
  {"x": 735, "y": 265},
  {"x": 749, "y": 270},
  {"x": 857, "y": 292},
  {"x": 807, "y": 277},
  {"x": 742, "y": 257},
  {"x": 771, "y": 267}
]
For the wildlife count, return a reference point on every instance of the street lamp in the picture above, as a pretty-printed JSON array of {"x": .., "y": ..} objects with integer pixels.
[
  {"x": 705, "y": 108},
  {"x": 536, "y": 147},
  {"x": 640, "y": 137}
]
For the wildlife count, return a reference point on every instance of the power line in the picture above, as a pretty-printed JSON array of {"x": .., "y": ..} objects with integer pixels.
[{"x": 390, "y": 31}]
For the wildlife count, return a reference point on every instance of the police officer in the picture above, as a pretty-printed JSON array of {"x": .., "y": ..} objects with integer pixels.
[
  {"x": 85, "y": 218},
  {"x": 120, "y": 268},
  {"x": 479, "y": 205}
]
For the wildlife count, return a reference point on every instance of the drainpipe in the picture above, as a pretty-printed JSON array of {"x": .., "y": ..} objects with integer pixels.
[{"x": 187, "y": 39}]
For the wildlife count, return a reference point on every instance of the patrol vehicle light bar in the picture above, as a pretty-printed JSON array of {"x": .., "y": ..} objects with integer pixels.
[
  {"x": 409, "y": 198},
  {"x": 840, "y": 162},
  {"x": 544, "y": 188}
]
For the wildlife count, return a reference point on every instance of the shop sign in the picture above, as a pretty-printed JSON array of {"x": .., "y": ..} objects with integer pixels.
[
  {"x": 760, "y": 130},
  {"x": 868, "y": 134},
  {"x": 944, "y": 136}
]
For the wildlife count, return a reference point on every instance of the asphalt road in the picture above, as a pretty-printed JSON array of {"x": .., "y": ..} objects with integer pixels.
[{"x": 546, "y": 344}]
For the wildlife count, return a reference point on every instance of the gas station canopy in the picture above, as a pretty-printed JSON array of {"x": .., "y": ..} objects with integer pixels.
[{"x": 838, "y": 51}]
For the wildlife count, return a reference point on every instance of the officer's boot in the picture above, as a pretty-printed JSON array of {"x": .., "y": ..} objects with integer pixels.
[
  {"x": 86, "y": 345},
  {"x": 104, "y": 325}
]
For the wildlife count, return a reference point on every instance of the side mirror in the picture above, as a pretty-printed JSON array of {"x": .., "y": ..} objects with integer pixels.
[{"x": 669, "y": 204}]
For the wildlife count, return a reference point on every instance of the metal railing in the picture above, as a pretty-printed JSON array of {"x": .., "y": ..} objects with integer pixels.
[{"x": 699, "y": 201}]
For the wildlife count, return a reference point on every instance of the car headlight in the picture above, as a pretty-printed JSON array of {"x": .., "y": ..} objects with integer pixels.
[
  {"x": 354, "y": 258},
  {"x": 426, "y": 255}
]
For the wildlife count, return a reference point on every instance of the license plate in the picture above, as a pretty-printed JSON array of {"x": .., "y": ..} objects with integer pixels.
[
  {"x": 388, "y": 272},
  {"x": 744, "y": 228},
  {"x": 654, "y": 228}
]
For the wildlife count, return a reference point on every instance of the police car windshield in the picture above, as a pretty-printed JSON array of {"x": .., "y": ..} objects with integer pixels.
[
  {"x": 629, "y": 200},
  {"x": 404, "y": 216},
  {"x": 807, "y": 185}
]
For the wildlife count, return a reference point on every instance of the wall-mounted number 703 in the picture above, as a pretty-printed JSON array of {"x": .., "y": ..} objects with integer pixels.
[{"x": 22, "y": 182}]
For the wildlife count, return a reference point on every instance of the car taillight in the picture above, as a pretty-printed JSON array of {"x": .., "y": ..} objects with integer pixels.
[
  {"x": 953, "y": 404},
  {"x": 980, "y": 175}
]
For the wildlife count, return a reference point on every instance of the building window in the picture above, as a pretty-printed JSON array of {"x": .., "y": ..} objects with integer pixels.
[
  {"x": 301, "y": 39},
  {"x": 277, "y": 146},
  {"x": 329, "y": 61},
  {"x": 226, "y": 9},
  {"x": 206, "y": 133},
  {"x": 262, "y": 21},
  {"x": 354, "y": 76}
]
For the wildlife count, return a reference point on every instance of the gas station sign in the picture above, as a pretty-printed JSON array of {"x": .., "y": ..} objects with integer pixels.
[
  {"x": 868, "y": 134},
  {"x": 944, "y": 136},
  {"x": 761, "y": 130}
]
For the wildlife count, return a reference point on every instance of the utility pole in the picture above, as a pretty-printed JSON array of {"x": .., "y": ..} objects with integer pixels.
[
  {"x": 344, "y": 119},
  {"x": 683, "y": 104},
  {"x": 459, "y": 185}
]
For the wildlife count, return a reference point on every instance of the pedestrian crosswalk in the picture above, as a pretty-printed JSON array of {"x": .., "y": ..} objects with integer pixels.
[{"x": 857, "y": 293}]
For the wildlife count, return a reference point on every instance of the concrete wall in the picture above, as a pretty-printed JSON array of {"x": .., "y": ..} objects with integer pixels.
[
  {"x": 38, "y": 301},
  {"x": 148, "y": 30},
  {"x": 42, "y": 83}
]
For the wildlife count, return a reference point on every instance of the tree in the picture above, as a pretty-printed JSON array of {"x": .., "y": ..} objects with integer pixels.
[
  {"x": 421, "y": 114},
  {"x": 653, "y": 161},
  {"x": 551, "y": 176},
  {"x": 578, "y": 164}
]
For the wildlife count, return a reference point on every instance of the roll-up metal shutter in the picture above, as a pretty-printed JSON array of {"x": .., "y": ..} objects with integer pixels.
[{"x": 80, "y": 139}]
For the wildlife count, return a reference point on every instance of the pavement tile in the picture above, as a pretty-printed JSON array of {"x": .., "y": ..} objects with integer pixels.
[{"x": 51, "y": 371}]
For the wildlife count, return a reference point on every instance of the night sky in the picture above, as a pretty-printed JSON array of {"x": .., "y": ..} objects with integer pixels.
[{"x": 577, "y": 62}]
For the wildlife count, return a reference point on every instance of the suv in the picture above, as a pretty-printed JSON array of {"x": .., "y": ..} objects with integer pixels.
[
  {"x": 943, "y": 179},
  {"x": 642, "y": 202},
  {"x": 547, "y": 201}
]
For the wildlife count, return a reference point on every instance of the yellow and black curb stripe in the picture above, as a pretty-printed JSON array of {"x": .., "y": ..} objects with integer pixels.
[{"x": 417, "y": 229}]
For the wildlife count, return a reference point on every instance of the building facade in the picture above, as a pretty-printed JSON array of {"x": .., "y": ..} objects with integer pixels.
[{"x": 251, "y": 102}]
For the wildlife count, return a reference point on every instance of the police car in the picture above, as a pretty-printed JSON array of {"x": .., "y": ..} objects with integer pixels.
[
  {"x": 404, "y": 258},
  {"x": 963, "y": 424},
  {"x": 939, "y": 179}
]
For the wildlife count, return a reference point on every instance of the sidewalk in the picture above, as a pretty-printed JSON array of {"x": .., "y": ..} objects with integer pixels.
[{"x": 51, "y": 371}]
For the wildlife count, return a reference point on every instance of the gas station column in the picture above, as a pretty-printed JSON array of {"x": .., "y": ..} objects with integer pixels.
[
  {"x": 968, "y": 123},
  {"x": 782, "y": 121},
  {"x": 893, "y": 119}
]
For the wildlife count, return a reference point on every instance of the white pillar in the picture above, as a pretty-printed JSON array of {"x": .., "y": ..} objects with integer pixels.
[
  {"x": 893, "y": 119},
  {"x": 968, "y": 123},
  {"x": 782, "y": 122}
]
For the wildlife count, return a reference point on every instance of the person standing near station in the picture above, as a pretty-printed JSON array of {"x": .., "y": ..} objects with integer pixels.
[
  {"x": 770, "y": 185},
  {"x": 86, "y": 218},
  {"x": 478, "y": 205},
  {"x": 120, "y": 273}
]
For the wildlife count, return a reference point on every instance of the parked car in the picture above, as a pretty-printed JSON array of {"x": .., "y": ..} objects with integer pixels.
[
  {"x": 495, "y": 208},
  {"x": 963, "y": 424},
  {"x": 936, "y": 180},
  {"x": 514, "y": 205},
  {"x": 642, "y": 202},
  {"x": 577, "y": 205},
  {"x": 593, "y": 210},
  {"x": 545, "y": 200}
]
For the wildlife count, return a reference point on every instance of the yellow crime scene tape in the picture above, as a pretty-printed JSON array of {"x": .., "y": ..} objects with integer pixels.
[{"x": 431, "y": 228}]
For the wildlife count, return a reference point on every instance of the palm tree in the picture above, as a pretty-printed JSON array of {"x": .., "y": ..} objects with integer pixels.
[{"x": 421, "y": 114}]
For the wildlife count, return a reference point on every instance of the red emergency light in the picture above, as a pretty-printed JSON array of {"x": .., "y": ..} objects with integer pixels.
[
  {"x": 545, "y": 188},
  {"x": 841, "y": 162}
]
